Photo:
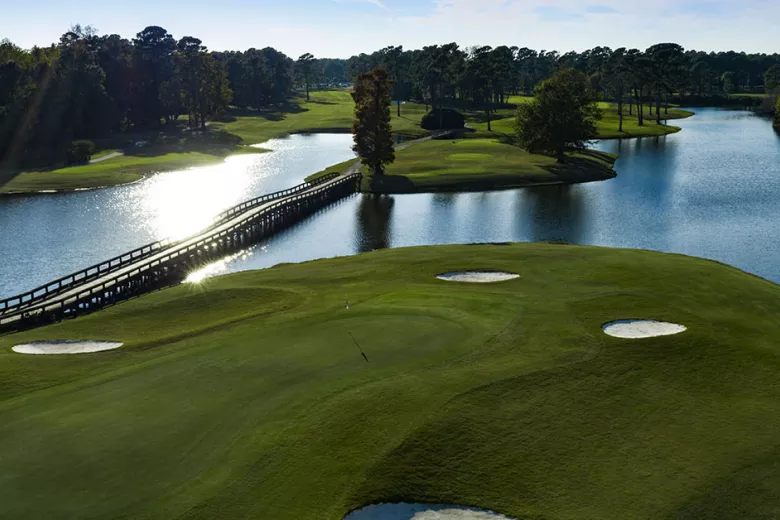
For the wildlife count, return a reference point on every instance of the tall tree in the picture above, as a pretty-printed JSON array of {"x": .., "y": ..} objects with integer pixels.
[
  {"x": 393, "y": 57},
  {"x": 372, "y": 132},
  {"x": 669, "y": 67},
  {"x": 561, "y": 117},
  {"x": 616, "y": 78},
  {"x": 153, "y": 65},
  {"x": 304, "y": 66}
]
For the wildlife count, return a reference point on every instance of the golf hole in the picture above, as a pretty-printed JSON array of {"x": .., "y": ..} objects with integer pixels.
[
  {"x": 65, "y": 347},
  {"x": 640, "y": 329},
  {"x": 422, "y": 512},
  {"x": 478, "y": 276}
]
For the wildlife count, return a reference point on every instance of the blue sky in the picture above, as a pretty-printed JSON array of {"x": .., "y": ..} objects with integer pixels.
[{"x": 340, "y": 28}]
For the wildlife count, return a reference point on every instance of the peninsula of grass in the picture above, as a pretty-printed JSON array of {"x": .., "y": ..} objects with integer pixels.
[
  {"x": 246, "y": 397},
  {"x": 113, "y": 172},
  {"x": 482, "y": 164}
]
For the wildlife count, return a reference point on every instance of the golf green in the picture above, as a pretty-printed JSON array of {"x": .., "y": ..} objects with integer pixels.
[{"x": 248, "y": 396}]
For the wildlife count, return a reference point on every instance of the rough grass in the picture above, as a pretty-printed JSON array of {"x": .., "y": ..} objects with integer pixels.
[{"x": 246, "y": 397}]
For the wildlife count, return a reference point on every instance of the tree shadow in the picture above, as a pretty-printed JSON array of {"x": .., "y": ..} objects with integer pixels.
[
  {"x": 373, "y": 218},
  {"x": 208, "y": 141},
  {"x": 556, "y": 213},
  {"x": 587, "y": 165}
]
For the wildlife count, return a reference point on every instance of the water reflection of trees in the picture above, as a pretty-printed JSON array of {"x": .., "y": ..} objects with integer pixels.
[
  {"x": 556, "y": 213},
  {"x": 374, "y": 215}
]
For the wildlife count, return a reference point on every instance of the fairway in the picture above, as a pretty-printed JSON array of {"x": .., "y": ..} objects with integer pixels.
[{"x": 246, "y": 397}]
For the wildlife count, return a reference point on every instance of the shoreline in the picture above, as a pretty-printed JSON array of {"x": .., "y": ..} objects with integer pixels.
[{"x": 344, "y": 130}]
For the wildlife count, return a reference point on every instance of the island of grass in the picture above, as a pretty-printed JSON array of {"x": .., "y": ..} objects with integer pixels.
[
  {"x": 246, "y": 397},
  {"x": 473, "y": 164},
  {"x": 327, "y": 111}
]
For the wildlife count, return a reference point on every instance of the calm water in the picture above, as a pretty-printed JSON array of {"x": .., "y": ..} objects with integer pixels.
[
  {"x": 48, "y": 236},
  {"x": 711, "y": 191}
]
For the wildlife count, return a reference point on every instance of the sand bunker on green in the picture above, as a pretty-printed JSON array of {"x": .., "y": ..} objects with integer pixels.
[
  {"x": 422, "y": 512},
  {"x": 65, "y": 347},
  {"x": 478, "y": 276},
  {"x": 639, "y": 329}
]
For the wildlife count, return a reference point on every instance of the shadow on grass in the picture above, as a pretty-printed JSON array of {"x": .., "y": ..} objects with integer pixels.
[
  {"x": 587, "y": 165},
  {"x": 209, "y": 141}
]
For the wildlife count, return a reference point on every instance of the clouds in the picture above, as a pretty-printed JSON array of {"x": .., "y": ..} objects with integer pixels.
[{"x": 377, "y": 3}]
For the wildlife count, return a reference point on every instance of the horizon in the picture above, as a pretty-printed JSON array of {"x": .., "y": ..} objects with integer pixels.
[{"x": 301, "y": 26}]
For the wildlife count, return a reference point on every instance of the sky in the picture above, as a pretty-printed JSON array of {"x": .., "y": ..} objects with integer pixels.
[{"x": 342, "y": 28}]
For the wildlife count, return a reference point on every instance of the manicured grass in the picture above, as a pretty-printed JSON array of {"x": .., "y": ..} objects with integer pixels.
[
  {"x": 112, "y": 172},
  {"x": 246, "y": 397},
  {"x": 607, "y": 127},
  {"x": 480, "y": 163},
  {"x": 328, "y": 111}
]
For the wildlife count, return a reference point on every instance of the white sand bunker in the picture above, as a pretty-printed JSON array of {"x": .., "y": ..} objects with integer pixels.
[
  {"x": 638, "y": 329},
  {"x": 478, "y": 276},
  {"x": 422, "y": 512},
  {"x": 66, "y": 347}
]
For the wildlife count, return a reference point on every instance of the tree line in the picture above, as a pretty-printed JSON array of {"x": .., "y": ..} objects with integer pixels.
[
  {"x": 484, "y": 76},
  {"x": 89, "y": 86}
]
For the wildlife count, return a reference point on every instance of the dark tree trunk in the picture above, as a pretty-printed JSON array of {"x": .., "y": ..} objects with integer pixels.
[
  {"x": 658, "y": 108},
  {"x": 620, "y": 114},
  {"x": 640, "y": 109}
]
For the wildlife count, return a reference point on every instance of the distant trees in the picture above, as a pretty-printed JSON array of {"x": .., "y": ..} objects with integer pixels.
[
  {"x": 772, "y": 78},
  {"x": 202, "y": 84},
  {"x": 562, "y": 116},
  {"x": 372, "y": 132}
]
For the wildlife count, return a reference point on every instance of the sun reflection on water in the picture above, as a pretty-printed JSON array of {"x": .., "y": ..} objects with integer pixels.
[{"x": 216, "y": 268}]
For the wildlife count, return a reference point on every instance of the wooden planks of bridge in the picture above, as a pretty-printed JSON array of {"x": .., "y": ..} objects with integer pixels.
[{"x": 166, "y": 263}]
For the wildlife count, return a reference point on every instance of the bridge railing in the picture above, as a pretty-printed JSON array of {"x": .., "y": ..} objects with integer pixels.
[
  {"x": 95, "y": 271},
  {"x": 176, "y": 251}
]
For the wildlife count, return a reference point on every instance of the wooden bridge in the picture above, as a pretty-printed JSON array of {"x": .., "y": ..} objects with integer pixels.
[{"x": 167, "y": 262}]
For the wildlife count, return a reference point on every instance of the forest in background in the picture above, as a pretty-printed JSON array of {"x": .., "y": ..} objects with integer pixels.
[{"x": 88, "y": 86}]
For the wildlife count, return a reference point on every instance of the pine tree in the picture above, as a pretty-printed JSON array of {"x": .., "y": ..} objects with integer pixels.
[{"x": 372, "y": 131}]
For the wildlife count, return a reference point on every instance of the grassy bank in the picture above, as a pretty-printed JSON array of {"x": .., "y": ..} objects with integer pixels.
[{"x": 246, "y": 397}]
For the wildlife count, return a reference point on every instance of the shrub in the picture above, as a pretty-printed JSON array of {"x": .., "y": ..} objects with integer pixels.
[
  {"x": 777, "y": 115},
  {"x": 80, "y": 151},
  {"x": 443, "y": 119}
]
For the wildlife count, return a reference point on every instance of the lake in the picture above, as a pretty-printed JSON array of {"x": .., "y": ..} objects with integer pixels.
[{"x": 711, "y": 191}]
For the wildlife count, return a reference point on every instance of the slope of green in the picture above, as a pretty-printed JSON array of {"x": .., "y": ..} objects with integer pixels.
[{"x": 246, "y": 397}]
